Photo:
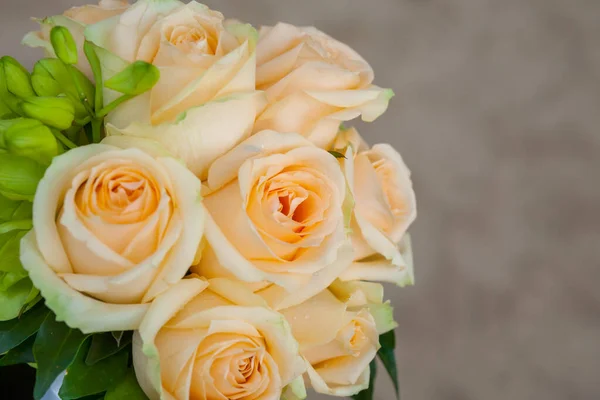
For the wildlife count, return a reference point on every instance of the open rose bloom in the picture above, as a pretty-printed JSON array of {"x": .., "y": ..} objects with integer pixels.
[{"x": 226, "y": 217}]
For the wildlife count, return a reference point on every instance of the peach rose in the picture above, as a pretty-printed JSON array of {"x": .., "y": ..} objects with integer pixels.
[
  {"x": 313, "y": 83},
  {"x": 215, "y": 340},
  {"x": 205, "y": 102},
  {"x": 276, "y": 213},
  {"x": 339, "y": 336},
  {"x": 112, "y": 229},
  {"x": 385, "y": 207}
]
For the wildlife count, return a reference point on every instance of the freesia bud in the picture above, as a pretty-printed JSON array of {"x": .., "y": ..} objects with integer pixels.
[
  {"x": 16, "y": 78},
  {"x": 51, "y": 78},
  {"x": 5, "y": 111},
  {"x": 19, "y": 176},
  {"x": 64, "y": 45},
  {"x": 30, "y": 138},
  {"x": 137, "y": 78},
  {"x": 57, "y": 112}
]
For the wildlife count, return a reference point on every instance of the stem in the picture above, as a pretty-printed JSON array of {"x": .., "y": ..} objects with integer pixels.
[
  {"x": 96, "y": 130},
  {"x": 102, "y": 113},
  {"x": 63, "y": 139},
  {"x": 84, "y": 121},
  {"x": 94, "y": 61}
]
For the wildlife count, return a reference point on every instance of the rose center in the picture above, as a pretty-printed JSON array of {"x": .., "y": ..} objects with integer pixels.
[{"x": 192, "y": 38}]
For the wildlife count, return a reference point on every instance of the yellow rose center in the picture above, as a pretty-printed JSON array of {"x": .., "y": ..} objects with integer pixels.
[
  {"x": 123, "y": 194},
  {"x": 237, "y": 367},
  {"x": 193, "y": 39}
]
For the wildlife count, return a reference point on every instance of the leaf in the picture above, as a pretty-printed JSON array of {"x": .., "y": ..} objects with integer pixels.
[
  {"x": 14, "y": 298},
  {"x": 388, "y": 358},
  {"x": 16, "y": 331},
  {"x": 337, "y": 154},
  {"x": 367, "y": 394},
  {"x": 84, "y": 380},
  {"x": 104, "y": 345},
  {"x": 54, "y": 349},
  {"x": 22, "y": 354},
  {"x": 135, "y": 79},
  {"x": 128, "y": 388}
]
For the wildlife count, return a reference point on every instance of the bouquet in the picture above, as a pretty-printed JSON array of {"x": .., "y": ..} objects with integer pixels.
[{"x": 185, "y": 212}]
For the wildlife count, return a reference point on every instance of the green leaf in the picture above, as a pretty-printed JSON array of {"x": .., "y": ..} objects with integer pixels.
[
  {"x": 104, "y": 345},
  {"x": 54, "y": 349},
  {"x": 128, "y": 388},
  {"x": 17, "y": 331},
  {"x": 337, "y": 154},
  {"x": 64, "y": 45},
  {"x": 84, "y": 380},
  {"x": 137, "y": 78},
  {"x": 367, "y": 394},
  {"x": 388, "y": 358},
  {"x": 90, "y": 53},
  {"x": 22, "y": 354}
]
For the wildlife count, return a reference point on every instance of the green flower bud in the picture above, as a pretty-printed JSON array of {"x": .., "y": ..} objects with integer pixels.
[
  {"x": 51, "y": 78},
  {"x": 5, "y": 111},
  {"x": 57, "y": 112},
  {"x": 19, "y": 177},
  {"x": 134, "y": 80},
  {"x": 16, "y": 78},
  {"x": 64, "y": 45},
  {"x": 30, "y": 138}
]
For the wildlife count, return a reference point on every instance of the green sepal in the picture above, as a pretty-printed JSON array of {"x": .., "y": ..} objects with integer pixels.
[
  {"x": 135, "y": 79},
  {"x": 83, "y": 380},
  {"x": 64, "y": 45},
  {"x": 55, "y": 348},
  {"x": 336, "y": 154}
]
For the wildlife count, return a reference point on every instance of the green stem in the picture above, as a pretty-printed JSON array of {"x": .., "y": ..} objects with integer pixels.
[
  {"x": 94, "y": 61},
  {"x": 96, "y": 130},
  {"x": 84, "y": 121},
  {"x": 102, "y": 113},
  {"x": 63, "y": 139}
]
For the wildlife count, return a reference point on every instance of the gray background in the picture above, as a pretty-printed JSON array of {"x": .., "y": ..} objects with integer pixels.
[{"x": 497, "y": 113}]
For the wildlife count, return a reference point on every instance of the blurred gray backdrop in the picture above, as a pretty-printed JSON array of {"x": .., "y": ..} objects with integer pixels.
[{"x": 497, "y": 113}]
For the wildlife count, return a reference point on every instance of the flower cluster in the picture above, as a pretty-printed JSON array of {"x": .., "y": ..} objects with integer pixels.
[{"x": 227, "y": 217}]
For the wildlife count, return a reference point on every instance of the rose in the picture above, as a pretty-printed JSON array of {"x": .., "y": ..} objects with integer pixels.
[
  {"x": 219, "y": 342},
  {"x": 75, "y": 19},
  {"x": 313, "y": 83},
  {"x": 339, "y": 336},
  {"x": 112, "y": 229},
  {"x": 276, "y": 214},
  {"x": 385, "y": 207},
  {"x": 205, "y": 101}
]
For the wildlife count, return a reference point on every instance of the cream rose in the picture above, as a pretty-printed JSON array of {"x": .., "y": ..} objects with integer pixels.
[
  {"x": 76, "y": 19},
  {"x": 276, "y": 213},
  {"x": 313, "y": 83},
  {"x": 385, "y": 206},
  {"x": 112, "y": 229},
  {"x": 339, "y": 336},
  {"x": 219, "y": 342},
  {"x": 205, "y": 102}
]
